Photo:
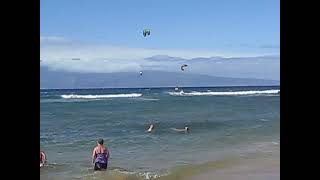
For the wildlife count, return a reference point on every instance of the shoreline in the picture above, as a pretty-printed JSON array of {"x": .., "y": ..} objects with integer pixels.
[{"x": 258, "y": 165}]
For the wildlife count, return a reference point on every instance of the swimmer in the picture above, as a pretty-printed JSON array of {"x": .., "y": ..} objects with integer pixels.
[
  {"x": 186, "y": 129},
  {"x": 151, "y": 127}
]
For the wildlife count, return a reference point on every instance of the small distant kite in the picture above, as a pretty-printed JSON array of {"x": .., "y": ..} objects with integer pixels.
[
  {"x": 140, "y": 73},
  {"x": 183, "y": 67}
]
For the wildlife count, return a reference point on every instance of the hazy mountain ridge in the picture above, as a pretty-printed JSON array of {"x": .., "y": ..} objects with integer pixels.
[{"x": 60, "y": 79}]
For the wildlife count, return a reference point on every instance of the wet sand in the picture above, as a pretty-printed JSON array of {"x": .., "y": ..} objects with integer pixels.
[{"x": 253, "y": 169}]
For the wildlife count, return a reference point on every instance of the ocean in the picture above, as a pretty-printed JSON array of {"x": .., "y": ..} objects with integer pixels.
[{"x": 226, "y": 123}]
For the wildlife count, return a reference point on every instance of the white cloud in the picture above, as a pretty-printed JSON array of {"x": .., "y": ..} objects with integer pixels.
[
  {"x": 57, "y": 53},
  {"x": 52, "y": 39},
  {"x": 59, "y": 47}
]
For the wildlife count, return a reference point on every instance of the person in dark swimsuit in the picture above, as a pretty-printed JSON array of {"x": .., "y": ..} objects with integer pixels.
[{"x": 100, "y": 156}]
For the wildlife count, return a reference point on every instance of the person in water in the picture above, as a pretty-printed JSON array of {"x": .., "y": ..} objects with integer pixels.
[
  {"x": 186, "y": 129},
  {"x": 100, "y": 156},
  {"x": 42, "y": 158},
  {"x": 151, "y": 127}
]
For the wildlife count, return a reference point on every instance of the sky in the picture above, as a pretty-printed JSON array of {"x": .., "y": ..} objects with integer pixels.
[{"x": 99, "y": 29}]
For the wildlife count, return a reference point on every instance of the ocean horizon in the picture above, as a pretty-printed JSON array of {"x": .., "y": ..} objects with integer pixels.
[{"x": 160, "y": 87}]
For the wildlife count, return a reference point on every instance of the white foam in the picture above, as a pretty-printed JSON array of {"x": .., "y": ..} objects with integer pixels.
[
  {"x": 150, "y": 99},
  {"x": 151, "y": 175},
  {"x": 195, "y": 93},
  {"x": 66, "y": 100},
  {"x": 74, "y": 96},
  {"x": 275, "y": 143}
]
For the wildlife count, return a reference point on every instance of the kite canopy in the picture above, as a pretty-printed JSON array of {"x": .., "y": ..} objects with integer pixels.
[
  {"x": 146, "y": 32},
  {"x": 183, "y": 67}
]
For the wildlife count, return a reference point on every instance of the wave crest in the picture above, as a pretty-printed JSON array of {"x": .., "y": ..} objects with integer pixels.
[
  {"x": 195, "y": 93},
  {"x": 74, "y": 96}
]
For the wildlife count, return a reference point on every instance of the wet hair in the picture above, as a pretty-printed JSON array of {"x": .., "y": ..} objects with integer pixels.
[{"x": 100, "y": 141}]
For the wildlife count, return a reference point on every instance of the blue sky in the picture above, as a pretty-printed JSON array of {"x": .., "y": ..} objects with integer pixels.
[
  {"x": 235, "y": 25},
  {"x": 99, "y": 29}
]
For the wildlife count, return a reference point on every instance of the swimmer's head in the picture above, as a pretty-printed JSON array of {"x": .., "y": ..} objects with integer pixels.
[{"x": 100, "y": 141}]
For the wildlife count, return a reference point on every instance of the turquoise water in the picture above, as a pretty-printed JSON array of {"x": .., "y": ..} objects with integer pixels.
[{"x": 223, "y": 121}]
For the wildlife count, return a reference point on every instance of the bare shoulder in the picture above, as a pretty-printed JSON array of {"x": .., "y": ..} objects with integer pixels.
[{"x": 95, "y": 149}]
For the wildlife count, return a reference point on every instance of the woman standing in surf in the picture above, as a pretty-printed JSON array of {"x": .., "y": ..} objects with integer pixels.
[{"x": 100, "y": 156}]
